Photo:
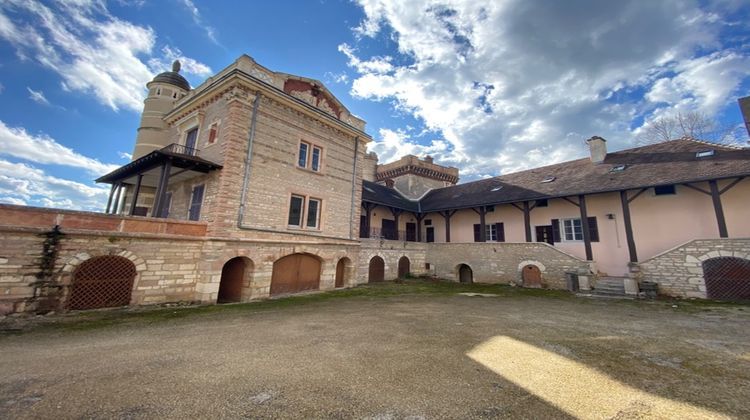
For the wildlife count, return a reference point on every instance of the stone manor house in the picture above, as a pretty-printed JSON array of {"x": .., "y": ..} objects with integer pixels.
[{"x": 258, "y": 183}]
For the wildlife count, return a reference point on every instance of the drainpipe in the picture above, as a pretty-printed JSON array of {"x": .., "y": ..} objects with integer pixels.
[
  {"x": 354, "y": 187},
  {"x": 246, "y": 178}
]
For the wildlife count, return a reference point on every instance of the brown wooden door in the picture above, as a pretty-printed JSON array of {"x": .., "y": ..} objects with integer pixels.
[
  {"x": 295, "y": 273},
  {"x": 532, "y": 277},
  {"x": 232, "y": 279},
  {"x": 465, "y": 275},
  {"x": 377, "y": 270},
  {"x": 340, "y": 272},
  {"x": 727, "y": 278},
  {"x": 545, "y": 234},
  {"x": 403, "y": 267},
  {"x": 411, "y": 232}
]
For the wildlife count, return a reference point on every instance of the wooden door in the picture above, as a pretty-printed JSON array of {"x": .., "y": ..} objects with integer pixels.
[
  {"x": 465, "y": 275},
  {"x": 411, "y": 232},
  {"x": 340, "y": 272},
  {"x": 295, "y": 273},
  {"x": 377, "y": 270},
  {"x": 403, "y": 267},
  {"x": 545, "y": 234},
  {"x": 232, "y": 279},
  {"x": 430, "y": 234},
  {"x": 388, "y": 229},
  {"x": 532, "y": 276}
]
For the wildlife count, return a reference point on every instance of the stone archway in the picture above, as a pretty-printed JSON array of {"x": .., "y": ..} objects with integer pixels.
[
  {"x": 102, "y": 282},
  {"x": 295, "y": 273},
  {"x": 404, "y": 267},
  {"x": 465, "y": 274},
  {"x": 342, "y": 272},
  {"x": 377, "y": 270},
  {"x": 531, "y": 276},
  {"x": 727, "y": 278},
  {"x": 234, "y": 280}
]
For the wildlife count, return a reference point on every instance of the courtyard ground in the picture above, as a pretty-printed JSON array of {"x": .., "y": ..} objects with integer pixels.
[{"x": 412, "y": 350}]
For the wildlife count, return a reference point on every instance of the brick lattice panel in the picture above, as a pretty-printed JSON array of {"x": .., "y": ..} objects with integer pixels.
[{"x": 102, "y": 282}]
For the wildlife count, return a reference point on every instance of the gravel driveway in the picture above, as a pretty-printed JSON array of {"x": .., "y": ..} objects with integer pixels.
[{"x": 424, "y": 355}]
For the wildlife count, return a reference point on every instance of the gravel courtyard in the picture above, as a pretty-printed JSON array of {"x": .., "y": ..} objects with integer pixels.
[{"x": 416, "y": 350}]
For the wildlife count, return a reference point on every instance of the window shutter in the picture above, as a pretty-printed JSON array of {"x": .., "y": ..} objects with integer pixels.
[
  {"x": 556, "y": 230},
  {"x": 593, "y": 230},
  {"x": 500, "y": 227},
  {"x": 476, "y": 232}
]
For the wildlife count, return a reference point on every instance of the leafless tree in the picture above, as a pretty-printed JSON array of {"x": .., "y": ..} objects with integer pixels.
[{"x": 690, "y": 124}]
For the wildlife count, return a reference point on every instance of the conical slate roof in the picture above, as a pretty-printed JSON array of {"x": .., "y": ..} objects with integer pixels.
[{"x": 173, "y": 77}]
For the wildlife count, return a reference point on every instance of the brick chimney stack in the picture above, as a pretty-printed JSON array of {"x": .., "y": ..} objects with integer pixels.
[{"x": 598, "y": 149}]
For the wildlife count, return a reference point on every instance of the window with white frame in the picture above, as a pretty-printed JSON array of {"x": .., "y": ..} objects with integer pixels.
[
  {"x": 491, "y": 232},
  {"x": 310, "y": 156},
  {"x": 304, "y": 212},
  {"x": 572, "y": 230}
]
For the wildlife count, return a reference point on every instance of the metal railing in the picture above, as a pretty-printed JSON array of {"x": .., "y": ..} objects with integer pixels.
[
  {"x": 180, "y": 149},
  {"x": 388, "y": 234}
]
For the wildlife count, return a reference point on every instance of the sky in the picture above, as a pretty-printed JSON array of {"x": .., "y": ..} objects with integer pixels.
[{"x": 490, "y": 87}]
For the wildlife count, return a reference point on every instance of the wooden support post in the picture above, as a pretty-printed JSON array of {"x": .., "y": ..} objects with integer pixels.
[
  {"x": 161, "y": 189},
  {"x": 585, "y": 227},
  {"x": 396, "y": 213},
  {"x": 419, "y": 217},
  {"x": 117, "y": 199},
  {"x": 136, "y": 191},
  {"x": 628, "y": 226},
  {"x": 527, "y": 220},
  {"x": 716, "y": 198},
  {"x": 482, "y": 212},
  {"x": 447, "y": 214},
  {"x": 111, "y": 195}
]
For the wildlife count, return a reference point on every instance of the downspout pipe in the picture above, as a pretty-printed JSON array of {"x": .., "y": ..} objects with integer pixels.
[
  {"x": 246, "y": 178},
  {"x": 354, "y": 187}
]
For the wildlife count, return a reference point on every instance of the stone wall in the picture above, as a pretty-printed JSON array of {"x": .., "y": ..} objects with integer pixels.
[
  {"x": 502, "y": 262},
  {"x": 391, "y": 252},
  {"x": 679, "y": 271}
]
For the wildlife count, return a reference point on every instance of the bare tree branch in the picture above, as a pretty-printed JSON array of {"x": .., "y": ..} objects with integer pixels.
[{"x": 693, "y": 124}]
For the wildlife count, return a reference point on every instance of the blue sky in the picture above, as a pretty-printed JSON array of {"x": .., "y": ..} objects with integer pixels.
[{"x": 490, "y": 87}]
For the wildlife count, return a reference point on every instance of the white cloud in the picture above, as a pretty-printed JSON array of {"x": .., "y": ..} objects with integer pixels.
[
  {"x": 25, "y": 184},
  {"x": 18, "y": 143},
  {"x": 125, "y": 155},
  {"x": 198, "y": 20},
  {"x": 37, "y": 96},
  {"x": 170, "y": 54},
  {"x": 516, "y": 84},
  {"x": 92, "y": 51}
]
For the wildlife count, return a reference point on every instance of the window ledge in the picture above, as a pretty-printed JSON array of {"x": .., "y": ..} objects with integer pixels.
[{"x": 309, "y": 170}]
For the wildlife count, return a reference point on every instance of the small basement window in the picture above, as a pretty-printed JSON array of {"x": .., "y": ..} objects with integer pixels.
[
  {"x": 705, "y": 153},
  {"x": 665, "y": 190},
  {"x": 548, "y": 179}
]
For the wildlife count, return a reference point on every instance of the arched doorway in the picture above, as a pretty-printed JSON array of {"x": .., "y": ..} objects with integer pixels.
[
  {"x": 727, "y": 278},
  {"x": 232, "y": 280},
  {"x": 102, "y": 282},
  {"x": 295, "y": 273},
  {"x": 465, "y": 274},
  {"x": 341, "y": 269},
  {"x": 377, "y": 270},
  {"x": 403, "y": 267},
  {"x": 532, "y": 276}
]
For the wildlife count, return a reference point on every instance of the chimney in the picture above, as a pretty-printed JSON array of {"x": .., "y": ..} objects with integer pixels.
[
  {"x": 598, "y": 149},
  {"x": 390, "y": 183},
  {"x": 428, "y": 159}
]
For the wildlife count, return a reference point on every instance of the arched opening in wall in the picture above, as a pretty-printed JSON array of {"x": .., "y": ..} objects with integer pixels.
[
  {"x": 377, "y": 270},
  {"x": 465, "y": 274},
  {"x": 295, "y": 273},
  {"x": 235, "y": 277},
  {"x": 531, "y": 276},
  {"x": 102, "y": 282},
  {"x": 342, "y": 270},
  {"x": 403, "y": 267},
  {"x": 727, "y": 278}
]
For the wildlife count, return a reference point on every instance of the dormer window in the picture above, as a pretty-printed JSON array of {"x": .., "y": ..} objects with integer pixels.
[
  {"x": 549, "y": 179},
  {"x": 705, "y": 153}
]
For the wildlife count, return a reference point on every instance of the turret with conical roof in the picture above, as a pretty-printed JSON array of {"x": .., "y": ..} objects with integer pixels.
[{"x": 163, "y": 91}]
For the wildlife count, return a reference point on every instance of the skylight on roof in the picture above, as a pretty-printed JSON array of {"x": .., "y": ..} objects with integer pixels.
[
  {"x": 618, "y": 168},
  {"x": 548, "y": 179},
  {"x": 498, "y": 188},
  {"x": 705, "y": 153}
]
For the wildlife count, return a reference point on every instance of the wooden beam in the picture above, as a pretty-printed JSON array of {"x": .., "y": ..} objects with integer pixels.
[
  {"x": 516, "y": 206},
  {"x": 628, "y": 226},
  {"x": 447, "y": 214},
  {"x": 482, "y": 224},
  {"x": 527, "y": 220},
  {"x": 630, "y": 200},
  {"x": 585, "y": 227},
  {"x": 136, "y": 191},
  {"x": 109, "y": 201},
  {"x": 698, "y": 189},
  {"x": 728, "y": 187},
  {"x": 117, "y": 198},
  {"x": 716, "y": 198},
  {"x": 161, "y": 189},
  {"x": 572, "y": 202}
]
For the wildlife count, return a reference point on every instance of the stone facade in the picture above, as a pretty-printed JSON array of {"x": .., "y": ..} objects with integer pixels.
[
  {"x": 391, "y": 252},
  {"x": 679, "y": 271}
]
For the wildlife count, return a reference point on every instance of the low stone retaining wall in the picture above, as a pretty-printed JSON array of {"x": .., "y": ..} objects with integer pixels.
[
  {"x": 679, "y": 271},
  {"x": 502, "y": 262}
]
